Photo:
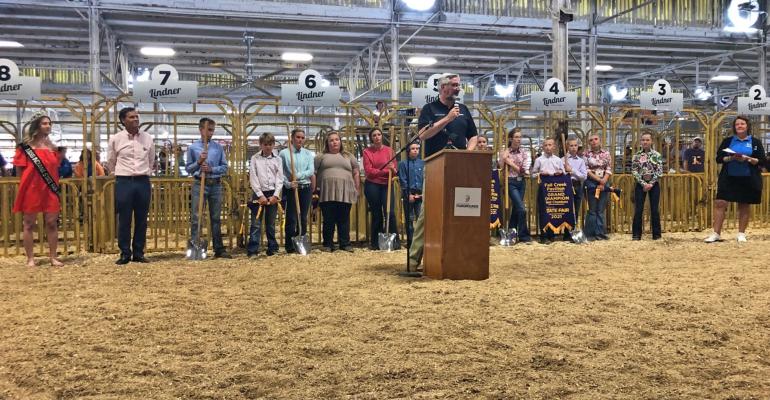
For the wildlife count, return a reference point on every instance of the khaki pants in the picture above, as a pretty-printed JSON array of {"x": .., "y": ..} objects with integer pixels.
[{"x": 418, "y": 239}]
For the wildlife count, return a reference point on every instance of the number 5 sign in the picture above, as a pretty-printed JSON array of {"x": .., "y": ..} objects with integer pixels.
[
  {"x": 164, "y": 86},
  {"x": 310, "y": 91},
  {"x": 15, "y": 87}
]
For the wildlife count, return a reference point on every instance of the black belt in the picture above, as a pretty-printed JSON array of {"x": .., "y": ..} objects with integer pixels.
[
  {"x": 132, "y": 178},
  {"x": 303, "y": 186},
  {"x": 208, "y": 181}
]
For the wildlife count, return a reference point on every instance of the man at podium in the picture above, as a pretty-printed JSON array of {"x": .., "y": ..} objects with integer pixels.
[{"x": 444, "y": 123}]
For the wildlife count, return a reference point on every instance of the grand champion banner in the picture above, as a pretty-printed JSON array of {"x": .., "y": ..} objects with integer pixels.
[
  {"x": 555, "y": 203},
  {"x": 494, "y": 217}
]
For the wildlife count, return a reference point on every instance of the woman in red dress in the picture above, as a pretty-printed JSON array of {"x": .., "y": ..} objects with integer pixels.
[{"x": 34, "y": 196}]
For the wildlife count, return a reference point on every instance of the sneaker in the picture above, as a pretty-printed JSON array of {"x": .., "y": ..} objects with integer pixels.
[
  {"x": 742, "y": 237},
  {"x": 713, "y": 237}
]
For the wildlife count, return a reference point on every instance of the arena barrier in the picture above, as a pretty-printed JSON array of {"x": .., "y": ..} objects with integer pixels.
[{"x": 88, "y": 218}]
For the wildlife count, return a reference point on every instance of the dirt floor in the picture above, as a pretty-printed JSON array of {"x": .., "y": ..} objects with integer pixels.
[{"x": 673, "y": 319}]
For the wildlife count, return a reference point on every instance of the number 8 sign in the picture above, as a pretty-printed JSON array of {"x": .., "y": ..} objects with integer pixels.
[
  {"x": 8, "y": 70},
  {"x": 13, "y": 86}
]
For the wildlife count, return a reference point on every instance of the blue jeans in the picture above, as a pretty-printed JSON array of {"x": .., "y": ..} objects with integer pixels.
[
  {"x": 291, "y": 229},
  {"x": 255, "y": 230},
  {"x": 595, "y": 224},
  {"x": 213, "y": 195},
  {"x": 518, "y": 218}
]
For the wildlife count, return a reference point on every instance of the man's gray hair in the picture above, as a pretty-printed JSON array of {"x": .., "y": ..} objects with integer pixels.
[{"x": 445, "y": 78}]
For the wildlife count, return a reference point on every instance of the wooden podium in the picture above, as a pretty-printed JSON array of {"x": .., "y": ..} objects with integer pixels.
[{"x": 457, "y": 203}]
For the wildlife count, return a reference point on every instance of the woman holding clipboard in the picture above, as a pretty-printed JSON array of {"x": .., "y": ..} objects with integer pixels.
[{"x": 740, "y": 180}]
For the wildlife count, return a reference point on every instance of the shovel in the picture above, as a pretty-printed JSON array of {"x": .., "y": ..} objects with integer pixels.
[
  {"x": 508, "y": 236},
  {"x": 301, "y": 242},
  {"x": 196, "y": 247},
  {"x": 576, "y": 234},
  {"x": 386, "y": 240}
]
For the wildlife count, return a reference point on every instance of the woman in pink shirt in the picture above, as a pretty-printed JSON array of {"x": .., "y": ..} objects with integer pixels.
[{"x": 376, "y": 167}]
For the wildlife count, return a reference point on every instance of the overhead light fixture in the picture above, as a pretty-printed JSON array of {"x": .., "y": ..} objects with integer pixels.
[
  {"x": 742, "y": 15},
  {"x": 421, "y": 61},
  {"x": 503, "y": 90},
  {"x": 217, "y": 63},
  {"x": 157, "y": 51},
  {"x": 296, "y": 57},
  {"x": 702, "y": 93},
  {"x": 529, "y": 116},
  {"x": 420, "y": 5},
  {"x": 617, "y": 93},
  {"x": 724, "y": 78},
  {"x": 10, "y": 43},
  {"x": 325, "y": 83},
  {"x": 603, "y": 68}
]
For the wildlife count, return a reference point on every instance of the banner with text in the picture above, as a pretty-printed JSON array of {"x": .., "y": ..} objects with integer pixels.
[
  {"x": 164, "y": 86},
  {"x": 555, "y": 203},
  {"x": 311, "y": 90},
  {"x": 429, "y": 94},
  {"x": 661, "y": 98},
  {"x": 555, "y": 97},
  {"x": 495, "y": 211},
  {"x": 16, "y": 87},
  {"x": 756, "y": 103}
]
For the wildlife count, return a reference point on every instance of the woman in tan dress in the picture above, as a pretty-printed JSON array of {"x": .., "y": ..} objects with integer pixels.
[{"x": 337, "y": 175}]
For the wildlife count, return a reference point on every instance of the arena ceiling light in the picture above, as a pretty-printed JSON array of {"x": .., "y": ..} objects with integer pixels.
[
  {"x": 616, "y": 93},
  {"x": 742, "y": 15},
  {"x": 157, "y": 51},
  {"x": 10, "y": 43},
  {"x": 420, "y": 5},
  {"x": 702, "y": 93},
  {"x": 421, "y": 61},
  {"x": 293, "y": 56},
  {"x": 601, "y": 68},
  {"x": 503, "y": 90},
  {"x": 724, "y": 78}
]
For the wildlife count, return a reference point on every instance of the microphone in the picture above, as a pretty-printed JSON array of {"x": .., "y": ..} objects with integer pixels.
[{"x": 456, "y": 104}]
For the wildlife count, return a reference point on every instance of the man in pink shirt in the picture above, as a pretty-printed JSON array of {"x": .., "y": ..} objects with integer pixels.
[{"x": 131, "y": 157}]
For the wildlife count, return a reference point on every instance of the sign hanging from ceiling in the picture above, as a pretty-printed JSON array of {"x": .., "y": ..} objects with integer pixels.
[
  {"x": 311, "y": 90},
  {"x": 555, "y": 97},
  {"x": 164, "y": 86},
  {"x": 429, "y": 94},
  {"x": 756, "y": 103},
  {"x": 661, "y": 98},
  {"x": 16, "y": 87}
]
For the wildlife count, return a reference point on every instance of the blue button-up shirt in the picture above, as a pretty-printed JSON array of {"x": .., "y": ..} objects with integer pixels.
[
  {"x": 415, "y": 170},
  {"x": 303, "y": 165},
  {"x": 215, "y": 159}
]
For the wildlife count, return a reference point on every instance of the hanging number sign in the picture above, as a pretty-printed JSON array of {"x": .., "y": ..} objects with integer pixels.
[
  {"x": 756, "y": 103},
  {"x": 311, "y": 90},
  {"x": 661, "y": 97},
  {"x": 555, "y": 97},
  {"x": 16, "y": 87},
  {"x": 164, "y": 86},
  {"x": 429, "y": 94}
]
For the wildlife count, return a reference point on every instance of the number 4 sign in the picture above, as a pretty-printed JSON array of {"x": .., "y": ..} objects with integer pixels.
[
  {"x": 15, "y": 87},
  {"x": 554, "y": 98},
  {"x": 164, "y": 86}
]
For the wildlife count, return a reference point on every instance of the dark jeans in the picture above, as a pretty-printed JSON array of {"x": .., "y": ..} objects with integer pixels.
[
  {"x": 132, "y": 201},
  {"x": 411, "y": 213},
  {"x": 518, "y": 218},
  {"x": 597, "y": 208},
  {"x": 377, "y": 199},
  {"x": 290, "y": 230},
  {"x": 255, "y": 231},
  {"x": 336, "y": 215},
  {"x": 639, "y": 198},
  {"x": 213, "y": 195}
]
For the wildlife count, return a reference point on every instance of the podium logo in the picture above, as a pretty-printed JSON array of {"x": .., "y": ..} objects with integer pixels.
[{"x": 467, "y": 202}]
